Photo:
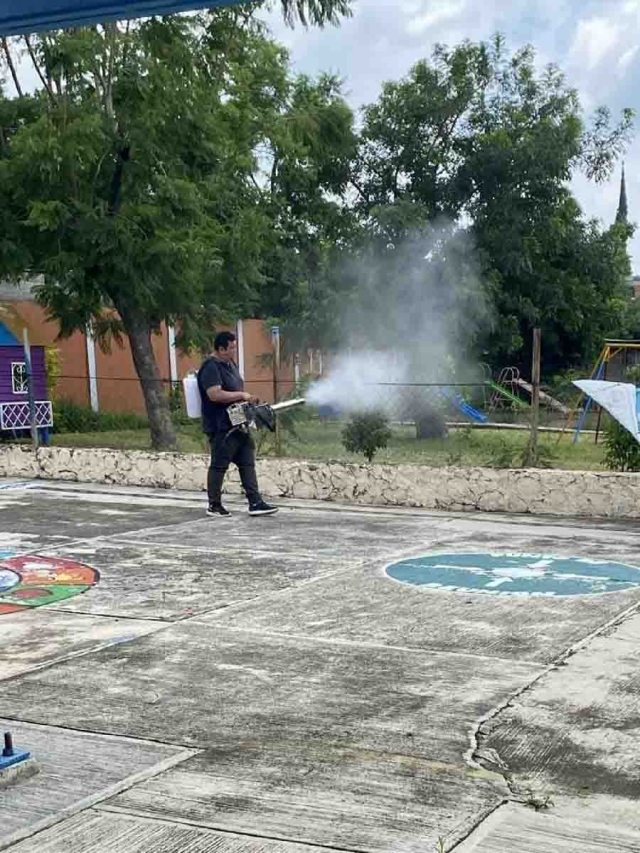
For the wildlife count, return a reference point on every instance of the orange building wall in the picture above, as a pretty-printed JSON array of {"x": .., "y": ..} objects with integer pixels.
[
  {"x": 258, "y": 371},
  {"x": 118, "y": 385},
  {"x": 73, "y": 383}
]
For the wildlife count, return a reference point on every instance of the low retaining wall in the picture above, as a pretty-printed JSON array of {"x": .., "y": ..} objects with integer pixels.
[{"x": 540, "y": 491}]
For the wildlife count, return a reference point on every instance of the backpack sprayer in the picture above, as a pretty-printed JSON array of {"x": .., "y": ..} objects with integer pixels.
[{"x": 242, "y": 416}]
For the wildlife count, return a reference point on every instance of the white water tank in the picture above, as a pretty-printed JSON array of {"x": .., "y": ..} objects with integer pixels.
[{"x": 192, "y": 396}]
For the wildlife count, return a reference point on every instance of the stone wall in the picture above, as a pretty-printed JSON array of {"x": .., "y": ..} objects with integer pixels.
[{"x": 540, "y": 491}]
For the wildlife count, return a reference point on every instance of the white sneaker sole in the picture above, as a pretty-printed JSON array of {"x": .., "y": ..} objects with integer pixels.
[{"x": 263, "y": 511}]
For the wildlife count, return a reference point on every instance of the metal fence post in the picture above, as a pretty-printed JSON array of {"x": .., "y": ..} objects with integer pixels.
[{"x": 30, "y": 389}]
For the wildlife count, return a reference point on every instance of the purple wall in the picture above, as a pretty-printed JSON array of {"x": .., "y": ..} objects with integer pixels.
[{"x": 12, "y": 354}]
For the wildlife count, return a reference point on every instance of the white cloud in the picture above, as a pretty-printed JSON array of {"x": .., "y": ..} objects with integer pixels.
[
  {"x": 627, "y": 57},
  {"x": 594, "y": 40},
  {"x": 437, "y": 13}
]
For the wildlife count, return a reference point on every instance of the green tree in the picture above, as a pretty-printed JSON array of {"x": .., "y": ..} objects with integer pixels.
[
  {"x": 479, "y": 134},
  {"x": 409, "y": 157},
  {"x": 547, "y": 266},
  {"x": 133, "y": 181},
  {"x": 308, "y": 164}
]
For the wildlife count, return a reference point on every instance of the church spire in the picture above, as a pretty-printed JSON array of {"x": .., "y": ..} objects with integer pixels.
[{"x": 623, "y": 209}]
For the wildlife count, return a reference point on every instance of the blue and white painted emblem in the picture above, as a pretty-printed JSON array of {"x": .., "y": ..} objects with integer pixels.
[{"x": 516, "y": 574}]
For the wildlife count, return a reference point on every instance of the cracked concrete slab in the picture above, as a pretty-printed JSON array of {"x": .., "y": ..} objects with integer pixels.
[
  {"x": 76, "y": 770},
  {"x": 577, "y": 729},
  {"x": 328, "y": 704},
  {"x": 287, "y": 721},
  {"x": 47, "y": 520},
  {"x": 96, "y": 831},
  {"x": 366, "y": 605},
  {"x": 177, "y": 581},
  {"x": 40, "y": 638},
  {"x": 170, "y": 686},
  {"x": 346, "y": 799},
  {"x": 515, "y": 828},
  {"x": 321, "y": 533}
]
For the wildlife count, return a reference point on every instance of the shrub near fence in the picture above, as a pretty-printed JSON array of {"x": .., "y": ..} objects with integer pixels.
[{"x": 73, "y": 417}]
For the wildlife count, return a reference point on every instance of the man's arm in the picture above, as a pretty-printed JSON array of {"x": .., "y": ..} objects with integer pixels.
[{"x": 217, "y": 395}]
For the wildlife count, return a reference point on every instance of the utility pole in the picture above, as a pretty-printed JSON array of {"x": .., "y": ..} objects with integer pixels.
[
  {"x": 275, "y": 341},
  {"x": 30, "y": 389},
  {"x": 532, "y": 450}
]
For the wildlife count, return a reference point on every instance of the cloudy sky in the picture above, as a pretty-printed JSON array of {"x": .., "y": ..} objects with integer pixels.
[{"x": 596, "y": 43}]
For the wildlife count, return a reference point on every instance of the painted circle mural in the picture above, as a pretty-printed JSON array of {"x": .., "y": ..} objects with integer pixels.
[
  {"x": 516, "y": 574},
  {"x": 27, "y": 582}
]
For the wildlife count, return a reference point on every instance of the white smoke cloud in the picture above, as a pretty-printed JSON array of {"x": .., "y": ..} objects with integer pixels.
[{"x": 411, "y": 319}]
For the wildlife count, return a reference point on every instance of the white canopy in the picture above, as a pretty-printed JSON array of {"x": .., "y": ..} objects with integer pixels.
[{"x": 618, "y": 398}]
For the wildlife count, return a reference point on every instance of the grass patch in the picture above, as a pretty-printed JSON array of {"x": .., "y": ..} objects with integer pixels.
[{"x": 321, "y": 441}]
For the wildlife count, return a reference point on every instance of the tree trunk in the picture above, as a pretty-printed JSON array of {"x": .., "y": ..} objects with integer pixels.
[{"x": 163, "y": 436}]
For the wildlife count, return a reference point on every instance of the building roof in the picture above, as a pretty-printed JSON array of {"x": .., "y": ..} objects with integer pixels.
[
  {"x": 29, "y": 16},
  {"x": 12, "y": 326}
]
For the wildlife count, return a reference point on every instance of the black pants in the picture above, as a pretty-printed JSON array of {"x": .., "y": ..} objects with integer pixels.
[{"x": 236, "y": 447}]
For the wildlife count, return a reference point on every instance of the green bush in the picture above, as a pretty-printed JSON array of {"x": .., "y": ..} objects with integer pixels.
[
  {"x": 177, "y": 405},
  {"x": 622, "y": 451},
  {"x": 366, "y": 433},
  {"x": 69, "y": 416}
]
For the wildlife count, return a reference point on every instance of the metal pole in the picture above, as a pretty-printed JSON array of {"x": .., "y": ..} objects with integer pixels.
[
  {"x": 30, "y": 389},
  {"x": 604, "y": 376},
  {"x": 535, "y": 398},
  {"x": 275, "y": 338}
]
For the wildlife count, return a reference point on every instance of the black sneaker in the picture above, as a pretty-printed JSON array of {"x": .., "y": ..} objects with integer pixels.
[
  {"x": 217, "y": 509},
  {"x": 262, "y": 508}
]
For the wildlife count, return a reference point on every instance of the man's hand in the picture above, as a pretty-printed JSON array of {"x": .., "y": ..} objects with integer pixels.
[{"x": 249, "y": 398}]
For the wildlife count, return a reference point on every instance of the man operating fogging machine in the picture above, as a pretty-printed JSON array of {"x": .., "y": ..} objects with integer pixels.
[{"x": 228, "y": 412}]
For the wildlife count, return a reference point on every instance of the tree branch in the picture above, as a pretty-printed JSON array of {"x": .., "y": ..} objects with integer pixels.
[
  {"x": 43, "y": 80},
  {"x": 12, "y": 68}
]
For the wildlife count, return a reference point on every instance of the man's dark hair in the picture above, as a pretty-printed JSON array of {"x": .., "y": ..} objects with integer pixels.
[{"x": 223, "y": 339}]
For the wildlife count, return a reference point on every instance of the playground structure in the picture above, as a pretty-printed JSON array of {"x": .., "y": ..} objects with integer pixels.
[{"x": 615, "y": 359}]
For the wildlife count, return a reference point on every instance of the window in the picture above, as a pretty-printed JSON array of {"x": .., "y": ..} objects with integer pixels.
[{"x": 19, "y": 377}]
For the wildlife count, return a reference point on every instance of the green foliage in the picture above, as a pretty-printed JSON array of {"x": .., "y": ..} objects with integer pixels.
[
  {"x": 540, "y": 456},
  {"x": 462, "y": 443},
  {"x": 366, "y": 433},
  {"x": 53, "y": 367},
  {"x": 503, "y": 454},
  {"x": 622, "y": 451},
  {"x": 478, "y": 132},
  {"x": 69, "y": 416},
  {"x": 132, "y": 183}
]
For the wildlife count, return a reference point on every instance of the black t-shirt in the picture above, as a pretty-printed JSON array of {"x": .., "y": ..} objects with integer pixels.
[{"x": 214, "y": 372}]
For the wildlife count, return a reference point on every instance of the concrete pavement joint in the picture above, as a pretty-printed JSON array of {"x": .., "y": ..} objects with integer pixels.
[
  {"x": 483, "y": 818},
  {"x": 48, "y": 664},
  {"x": 92, "y": 800},
  {"x": 183, "y": 747},
  {"x": 478, "y": 757},
  {"x": 363, "y": 644},
  {"x": 235, "y": 833}
]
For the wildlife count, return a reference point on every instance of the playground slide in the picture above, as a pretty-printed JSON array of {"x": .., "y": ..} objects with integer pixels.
[
  {"x": 511, "y": 397},
  {"x": 547, "y": 398},
  {"x": 458, "y": 401}
]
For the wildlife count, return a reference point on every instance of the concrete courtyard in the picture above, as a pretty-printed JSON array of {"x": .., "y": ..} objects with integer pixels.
[{"x": 243, "y": 684}]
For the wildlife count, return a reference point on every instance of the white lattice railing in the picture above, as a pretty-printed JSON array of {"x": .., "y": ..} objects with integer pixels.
[{"x": 16, "y": 415}]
